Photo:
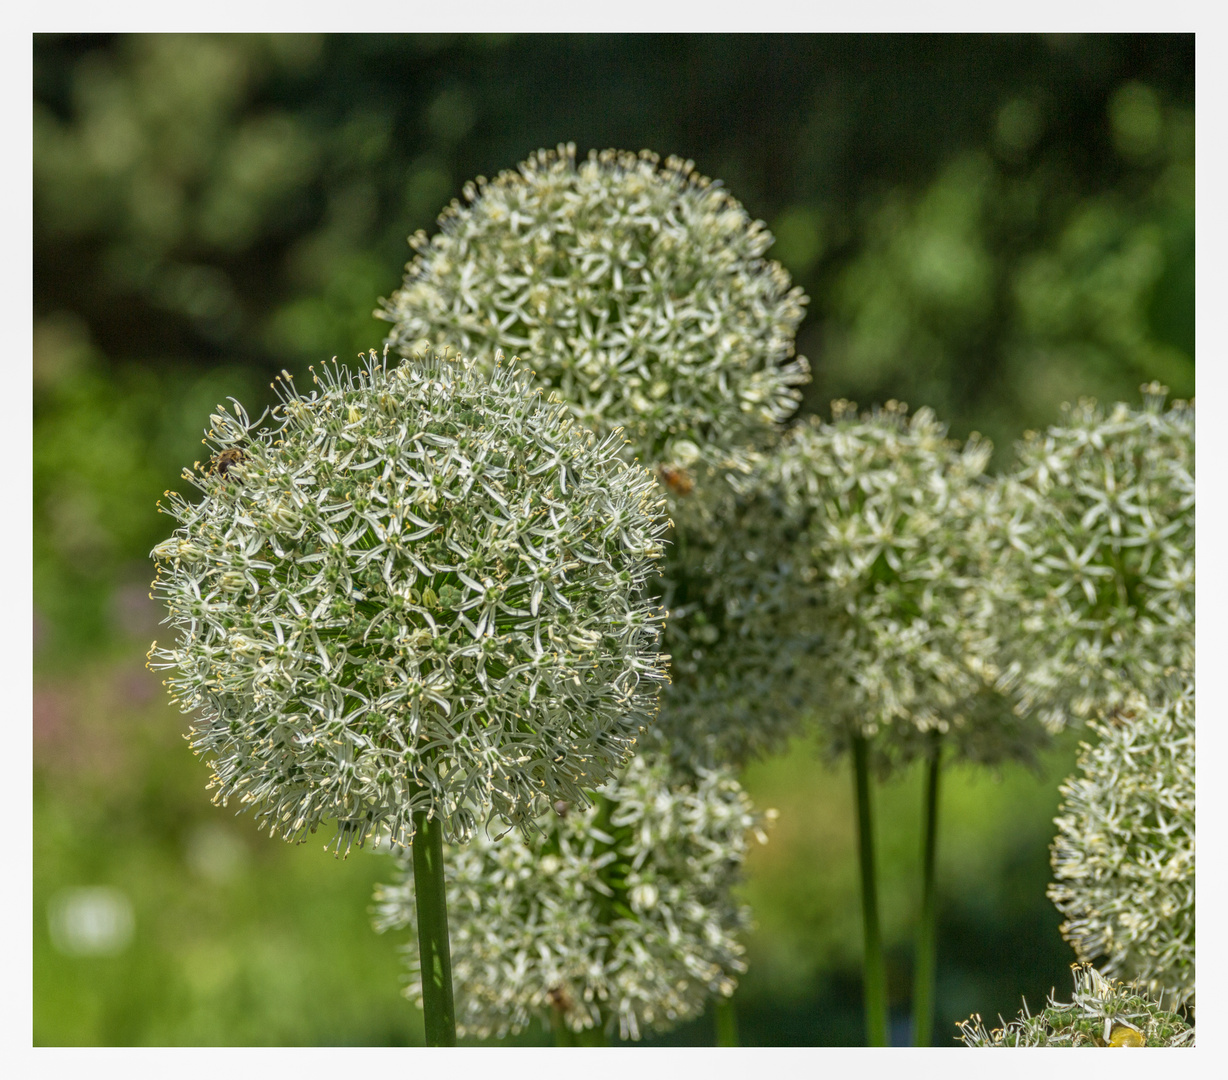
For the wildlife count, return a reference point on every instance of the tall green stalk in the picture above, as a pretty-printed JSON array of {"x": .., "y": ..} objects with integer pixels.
[
  {"x": 927, "y": 942},
  {"x": 430, "y": 895},
  {"x": 594, "y": 1036},
  {"x": 612, "y": 875},
  {"x": 726, "y": 1022},
  {"x": 873, "y": 968}
]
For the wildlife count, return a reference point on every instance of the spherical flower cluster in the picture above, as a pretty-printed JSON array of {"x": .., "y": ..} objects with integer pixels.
[
  {"x": 1124, "y": 854},
  {"x": 616, "y": 917},
  {"x": 1103, "y": 536},
  {"x": 639, "y": 290},
  {"x": 421, "y": 589},
  {"x": 882, "y": 524},
  {"x": 1100, "y": 1013}
]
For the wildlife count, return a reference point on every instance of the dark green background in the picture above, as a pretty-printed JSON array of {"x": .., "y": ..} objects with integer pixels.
[{"x": 989, "y": 225}]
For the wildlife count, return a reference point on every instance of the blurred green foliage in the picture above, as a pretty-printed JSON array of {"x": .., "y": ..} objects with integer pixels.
[
  {"x": 994, "y": 294},
  {"x": 238, "y": 939},
  {"x": 986, "y": 225}
]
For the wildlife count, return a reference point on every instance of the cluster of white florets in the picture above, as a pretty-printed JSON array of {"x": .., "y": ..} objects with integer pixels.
[
  {"x": 743, "y": 649},
  {"x": 421, "y": 589},
  {"x": 1100, "y": 512},
  {"x": 639, "y": 290},
  {"x": 1123, "y": 858},
  {"x": 1101, "y": 1012},
  {"x": 883, "y": 533},
  {"x": 617, "y": 916}
]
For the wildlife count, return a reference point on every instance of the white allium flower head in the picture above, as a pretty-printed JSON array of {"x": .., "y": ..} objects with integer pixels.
[
  {"x": 1123, "y": 857},
  {"x": 1101, "y": 515},
  {"x": 422, "y": 588},
  {"x": 638, "y": 289},
  {"x": 1101, "y": 1012},
  {"x": 883, "y": 544},
  {"x": 618, "y": 916}
]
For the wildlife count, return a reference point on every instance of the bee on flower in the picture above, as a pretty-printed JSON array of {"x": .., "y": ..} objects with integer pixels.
[{"x": 427, "y": 595}]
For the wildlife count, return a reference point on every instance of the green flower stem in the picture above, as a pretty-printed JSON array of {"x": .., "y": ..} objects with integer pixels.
[
  {"x": 611, "y": 875},
  {"x": 874, "y": 971},
  {"x": 594, "y": 1036},
  {"x": 594, "y": 920},
  {"x": 726, "y": 1022},
  {"x": 611, "y": 872},
  {"x": 927, "y": 944},
  {"x": 562, "y": 1033},
  {"x": 431, "y": 898}
]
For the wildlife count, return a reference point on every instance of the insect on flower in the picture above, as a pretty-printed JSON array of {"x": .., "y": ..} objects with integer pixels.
[
  {"x": 559, "y": 999},
  {"x": 413, "y": 702},
  {"x": 1126, "y": 1036},
  {"x": 223, "y": 461},
  {"x": 678, "y": 480},
  {"x": 1095, "y": 1016}
]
